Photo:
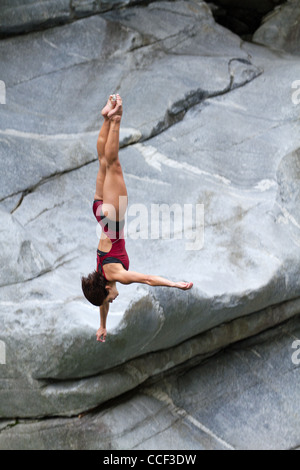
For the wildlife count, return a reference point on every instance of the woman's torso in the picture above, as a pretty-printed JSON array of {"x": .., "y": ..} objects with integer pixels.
[{"x": 111, "y": 248}]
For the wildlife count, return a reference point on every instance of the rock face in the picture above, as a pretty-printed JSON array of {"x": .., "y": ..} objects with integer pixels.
[
  {"x": 281, "y": 28},
  {"x": 241, "y": 399},
  {"x": 18, "y": 16},
  {"x": 243, "y": 17},
  {"x": 210, "y": 133}
]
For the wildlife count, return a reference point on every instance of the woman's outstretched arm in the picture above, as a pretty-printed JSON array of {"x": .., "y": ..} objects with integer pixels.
[{"x": 129, "y": 277}]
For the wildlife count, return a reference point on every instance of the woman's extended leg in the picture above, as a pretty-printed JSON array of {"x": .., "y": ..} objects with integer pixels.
[
  {"x": 101, "y": 142},
  {"x": 114, "y": 188},
  {"x": 102, "y": 138}
]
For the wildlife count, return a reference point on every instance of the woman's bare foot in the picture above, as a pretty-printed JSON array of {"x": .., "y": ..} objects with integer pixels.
[
  {"x": 111, "y": 103},
  {"x": 116, "y": 112}
]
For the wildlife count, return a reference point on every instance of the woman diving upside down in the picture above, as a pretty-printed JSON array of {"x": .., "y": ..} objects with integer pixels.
[{"x": 109, "y": 207}]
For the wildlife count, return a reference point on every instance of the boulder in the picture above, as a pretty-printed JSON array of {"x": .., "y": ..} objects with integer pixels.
[
  {"x": 19, "y": 16},
  {"x": 243, "y": 17},
  {"x": 209, "y": 134},
  {"x": 21, "y": 259},
  {"x": 280, "y": 29},
  {"x": 242, "y": 398}
]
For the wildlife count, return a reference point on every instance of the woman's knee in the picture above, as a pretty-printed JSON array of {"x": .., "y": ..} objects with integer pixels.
[{"x": 113, "y": 164}]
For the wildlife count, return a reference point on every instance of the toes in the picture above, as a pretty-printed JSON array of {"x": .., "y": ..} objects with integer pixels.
[
  {"x": 116, "y": 106},
  {"x": 117, "y": 110}
]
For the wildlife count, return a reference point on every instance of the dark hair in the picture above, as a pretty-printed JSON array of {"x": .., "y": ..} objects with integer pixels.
[{"x": 93, "y": 287}]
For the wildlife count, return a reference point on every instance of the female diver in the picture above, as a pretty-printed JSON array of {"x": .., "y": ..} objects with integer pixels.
[{"x": 109, "y": 207}]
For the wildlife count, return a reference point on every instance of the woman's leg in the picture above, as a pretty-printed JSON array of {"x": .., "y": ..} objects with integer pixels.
[
  {"x": 114, "y": 188},
  {"x": 101, "y": 142}
]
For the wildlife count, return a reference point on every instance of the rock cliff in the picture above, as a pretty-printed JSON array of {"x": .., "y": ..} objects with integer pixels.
[{"x": 210, "y": 122}]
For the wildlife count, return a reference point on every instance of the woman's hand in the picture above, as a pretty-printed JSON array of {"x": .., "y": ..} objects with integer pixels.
[
  {"x": 101, "y": 333},
  {"x": 184, "y": 285}
]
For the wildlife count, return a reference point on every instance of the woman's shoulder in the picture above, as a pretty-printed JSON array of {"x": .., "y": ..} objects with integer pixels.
[{"x": 113, "y": 271}]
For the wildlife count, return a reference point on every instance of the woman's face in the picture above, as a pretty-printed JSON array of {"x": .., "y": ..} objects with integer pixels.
[{"x": 112, "y": 293}]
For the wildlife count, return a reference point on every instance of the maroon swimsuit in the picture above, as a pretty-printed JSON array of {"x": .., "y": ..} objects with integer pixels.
[{"x": 115, "y": 232}]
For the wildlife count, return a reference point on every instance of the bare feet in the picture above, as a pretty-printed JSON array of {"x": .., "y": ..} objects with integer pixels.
[
  {"x": 111, "y": 103},
  {"x": 116, "y": 112}
]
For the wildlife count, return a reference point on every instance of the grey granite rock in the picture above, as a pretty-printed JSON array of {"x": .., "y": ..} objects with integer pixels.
[
  {"x": 20, "y": 255},
  {"x": 19, "y": 16},
  {"x": 208, "y": 120},
  {"x": 244, "y": 398},
  {"x": 280, "y": 29}
]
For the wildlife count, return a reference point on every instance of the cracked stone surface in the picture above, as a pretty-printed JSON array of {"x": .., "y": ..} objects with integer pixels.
[
  {"x": 19, "y": 17},
  {"x": 280, "y": 29},
  {"x": 208, "y": 120},
  {"x": 243, "y": 398}
]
